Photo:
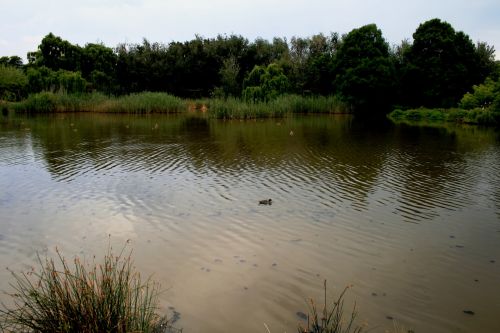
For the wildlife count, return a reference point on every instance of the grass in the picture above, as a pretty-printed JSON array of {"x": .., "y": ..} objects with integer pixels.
[
  {"x": 109, "y": 297},
  {"x": 330, "y": 319},
  {"x": 146, "y": 102},
  {"x": 149, "y": 102},
  {"x": 475, "y": 116},
  {"x": 233, "y": 108}
]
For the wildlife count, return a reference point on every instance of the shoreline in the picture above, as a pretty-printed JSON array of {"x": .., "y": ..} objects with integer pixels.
[{"x": 156, "y": 102}]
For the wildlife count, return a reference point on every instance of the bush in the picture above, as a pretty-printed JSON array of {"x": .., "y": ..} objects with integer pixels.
[
  {"x": 13, "y": 83},
  {"x": 80, "y": 298},
  {"x": 41, "y": 102}
]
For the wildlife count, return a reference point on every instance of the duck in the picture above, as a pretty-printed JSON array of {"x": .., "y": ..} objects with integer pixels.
[{"x": 266, "y": 202}]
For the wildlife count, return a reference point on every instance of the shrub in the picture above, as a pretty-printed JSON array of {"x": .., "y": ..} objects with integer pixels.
[
  {"x": 41, "y": 102},
  {"x": 13, "y": 83}
]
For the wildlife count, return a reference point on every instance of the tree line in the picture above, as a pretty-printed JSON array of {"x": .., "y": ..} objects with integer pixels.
[{"x": 435, "y": 69}]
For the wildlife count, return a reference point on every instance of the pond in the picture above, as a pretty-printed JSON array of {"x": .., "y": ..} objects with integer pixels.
[{"x": 407, "y": 215}]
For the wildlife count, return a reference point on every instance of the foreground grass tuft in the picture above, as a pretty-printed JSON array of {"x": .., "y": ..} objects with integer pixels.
[
  {"x": 78, "y": 297},
  {"x": 331, "y": 318}
]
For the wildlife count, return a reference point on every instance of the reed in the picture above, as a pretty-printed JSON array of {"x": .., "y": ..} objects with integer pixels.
[
  {"x": 233, "y": 108},
  {"x": 155, "y": 102},
  {"x": 109, "y": 297},
  {"x": 331, "y": 319},
  {"x": 145, "y": 102}
]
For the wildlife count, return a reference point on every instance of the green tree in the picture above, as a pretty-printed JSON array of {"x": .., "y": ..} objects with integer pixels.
[
  {"x": 229, "y": 77},
  {"x": 56, "y": 53},
  {"x": 13, "y": 83},
  {"x": 13, "y": 61},
  {"x": 311, "y": 62},
  {"x": 98, "y": 66},
  {"x": 44, "y": 79},
  {"x": 364, "y": 72},
  {"x": 265, "y": 83},
  {"x": 442, "y": 65}
]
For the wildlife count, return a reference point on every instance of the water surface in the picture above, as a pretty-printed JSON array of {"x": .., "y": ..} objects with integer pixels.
[{"x": 410, "y": 216}]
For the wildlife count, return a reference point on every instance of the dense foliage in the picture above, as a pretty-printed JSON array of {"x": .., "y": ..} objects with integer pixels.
[
  {"x": 442, "y": 65},
  {"x": 364, "y": 70},
  {"x": 436, "y": 69},
  {"x": 13, "y": 83}
]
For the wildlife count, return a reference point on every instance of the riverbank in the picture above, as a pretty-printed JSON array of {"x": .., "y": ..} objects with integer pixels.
[
  {"x": 151, "y": 102},
  {"x": 475, "y": 116}
]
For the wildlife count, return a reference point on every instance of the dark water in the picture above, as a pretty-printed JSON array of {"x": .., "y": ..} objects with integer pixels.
[{"x": 410, "y": 216}]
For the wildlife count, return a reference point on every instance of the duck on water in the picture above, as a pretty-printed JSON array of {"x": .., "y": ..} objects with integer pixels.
[{"x": 265, "y": 202}]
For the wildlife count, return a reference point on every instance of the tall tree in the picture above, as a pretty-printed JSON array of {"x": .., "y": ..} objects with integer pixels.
[
  {"x": 56, "y": 53},
  {"x": 441, "y": 65},
  {"x": 364, "y": 71}
]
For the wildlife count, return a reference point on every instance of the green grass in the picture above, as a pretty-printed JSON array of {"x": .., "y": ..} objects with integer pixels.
[
  {"x": 78, "y": 297},
  {"x": 475, "y": 116},
  {"x": 233, "y": 108},
  {"x": 149, "y": 102},
  {"x": 145, "y": 102}
]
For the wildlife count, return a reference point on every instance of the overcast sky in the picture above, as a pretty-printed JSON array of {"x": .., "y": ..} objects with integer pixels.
[{"x": 23, "y": 23}]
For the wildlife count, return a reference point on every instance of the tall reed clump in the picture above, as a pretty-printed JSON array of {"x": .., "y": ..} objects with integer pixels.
[
  {"x": 331, "y": 318},
  {"x": 233, "y": 108},
  {"x": 144, "y": 102},
  {"x": 109, "y": 297},
  {"x": 316, "y": 104}
]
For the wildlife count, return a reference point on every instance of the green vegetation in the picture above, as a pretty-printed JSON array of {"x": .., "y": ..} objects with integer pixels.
[
  {"x": 76, "y": 297},
  {"x": 434, "y": 70},
  {"x": 364, "y": 70},
  {"x": 232, "y": 108},
  {"x": 441, "y": 66},
  {"x": 481, "y": 106},
  {"x": 265, "y": 84},
  {"x": 13, "y": 83},
  {"x": 474, "y": 116},
  {"x": 148, "y": 102}
]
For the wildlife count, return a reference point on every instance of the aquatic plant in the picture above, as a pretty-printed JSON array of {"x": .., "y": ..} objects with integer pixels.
[
  {"x": 331, "y": 318},
  {"x": 59, "y": 297},
  {"x": 145, "y": 102},
  {"x": 156, "y": 102},
  {"x": 233, "y": 108}
]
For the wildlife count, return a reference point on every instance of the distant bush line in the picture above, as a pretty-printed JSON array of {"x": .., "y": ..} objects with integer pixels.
[
  {"x": 481, "y": 107},
  {"x": 454, "y": 115}
]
